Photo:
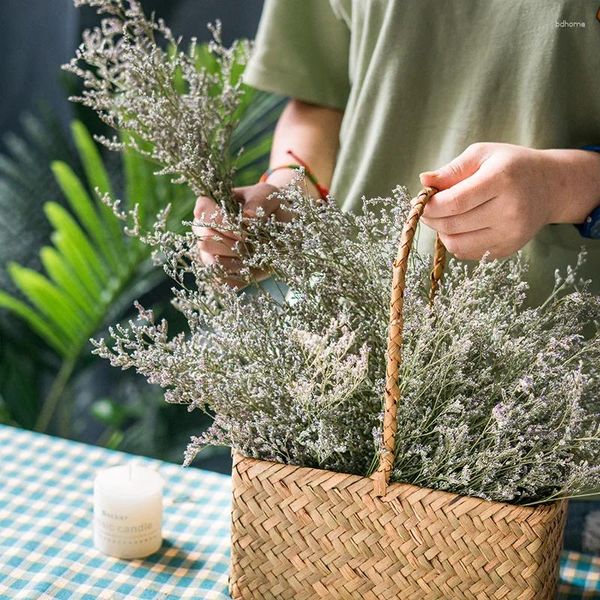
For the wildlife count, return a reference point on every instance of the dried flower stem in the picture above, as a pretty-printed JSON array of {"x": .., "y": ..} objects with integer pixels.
[{"x": 167, "y": 106}]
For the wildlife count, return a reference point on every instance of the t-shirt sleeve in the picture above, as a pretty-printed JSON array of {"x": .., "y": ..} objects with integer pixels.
[{"x": 301, "y": 50}]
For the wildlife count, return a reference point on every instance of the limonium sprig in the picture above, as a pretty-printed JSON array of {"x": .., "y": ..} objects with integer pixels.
[
  {"x": 164, "y": 103},
  {"x": 499, "y": 399}
]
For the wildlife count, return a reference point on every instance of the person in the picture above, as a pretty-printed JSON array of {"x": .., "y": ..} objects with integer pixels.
[
  {"x": 490, "y": 102},
  {"x": 495, "y": 104}
]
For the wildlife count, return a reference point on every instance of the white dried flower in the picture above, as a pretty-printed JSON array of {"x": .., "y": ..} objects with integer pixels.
[
  {"x": 498, "y": 399},
  {"x": 170, "y": 109}
]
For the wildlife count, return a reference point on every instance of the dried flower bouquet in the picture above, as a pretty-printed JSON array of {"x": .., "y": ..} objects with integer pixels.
[{"x": 499, "y": 399}]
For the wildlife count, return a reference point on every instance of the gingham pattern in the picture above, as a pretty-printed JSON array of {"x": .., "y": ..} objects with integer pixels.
[
  {"x": 46, "y": 509},
  {"x": 579, "y": 577},
  {"x": 46, "y": 548}
]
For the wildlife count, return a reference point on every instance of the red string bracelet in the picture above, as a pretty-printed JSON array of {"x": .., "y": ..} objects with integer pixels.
[{"x": 323, "y": 191}]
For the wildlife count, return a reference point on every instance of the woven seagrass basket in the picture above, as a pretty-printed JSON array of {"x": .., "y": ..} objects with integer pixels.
[{"x": 301, "y": 533}]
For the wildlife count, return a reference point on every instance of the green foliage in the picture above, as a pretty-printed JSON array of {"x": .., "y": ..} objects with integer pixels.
[
  {"x": 91, "y": 262},
  {"x": 25, "y": 179},
  {"x": 92, "y": 271}
]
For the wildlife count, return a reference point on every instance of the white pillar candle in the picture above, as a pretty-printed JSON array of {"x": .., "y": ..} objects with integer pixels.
[{"x": 128, "y": 511}]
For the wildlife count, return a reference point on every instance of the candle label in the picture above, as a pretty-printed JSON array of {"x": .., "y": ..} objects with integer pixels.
[{"x": 124, "y": 534}]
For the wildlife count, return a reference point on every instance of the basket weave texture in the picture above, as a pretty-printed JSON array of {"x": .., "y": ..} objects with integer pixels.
[{"x": 300, "y": 533}]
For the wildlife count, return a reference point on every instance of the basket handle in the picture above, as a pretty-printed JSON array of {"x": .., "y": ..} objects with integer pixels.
[{"x": 381, "y": 477}]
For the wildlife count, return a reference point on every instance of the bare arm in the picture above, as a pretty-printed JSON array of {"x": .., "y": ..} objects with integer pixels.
[{"x": 312, "y": 132}]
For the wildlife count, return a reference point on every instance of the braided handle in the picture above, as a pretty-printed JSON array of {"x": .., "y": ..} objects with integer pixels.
[{"x": 381, "y": 477}]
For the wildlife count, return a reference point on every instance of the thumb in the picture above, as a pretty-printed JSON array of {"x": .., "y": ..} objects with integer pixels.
[
  {"x": 257, "y": 199},
  {"x": 463, "y": 166}
]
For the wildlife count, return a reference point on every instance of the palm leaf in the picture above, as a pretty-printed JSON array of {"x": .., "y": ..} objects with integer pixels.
[
  {"x": 40, "y": 325},
  {"x": 97, "y": 178},
  {"x": 68, "y": 228},
  {"x": 83, "y": 207},
  {"x": 76, "y": 261},
  {"x": 66, "y": 280},
  {"x": 25, "y": 181},
  {"x": 92, "y": 270},
  {"x": 251, "y": 141},
  {"x": 138, "y": 184},
  {"x": 91, "y": 274},
  {"x": 54, "y": 304}
]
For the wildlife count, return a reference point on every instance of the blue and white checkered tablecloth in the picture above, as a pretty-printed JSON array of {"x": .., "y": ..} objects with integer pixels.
[
  {"x": 46, "y": 548},
  {"x": 46, "y": 544}
]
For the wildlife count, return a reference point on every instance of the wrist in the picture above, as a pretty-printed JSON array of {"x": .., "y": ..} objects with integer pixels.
[
  {"x": 575, "y": 189},
  {"x": 281, "y": 178},
  {"x": 283, "y": 175}
]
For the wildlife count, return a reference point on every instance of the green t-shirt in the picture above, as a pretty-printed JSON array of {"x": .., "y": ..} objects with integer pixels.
[{"x": 420, "y": 80}]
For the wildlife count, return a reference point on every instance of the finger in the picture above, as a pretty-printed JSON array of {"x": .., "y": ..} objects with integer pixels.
[
  {"x": 222, "y": 247},
  {"x": 208, "y": 235},
  {"x": 207, "y": 258},
  {"x": 458, "y": 169},
  {"x": 473, "y": 245},
  {"x": 230, "y": 264},
  {"x": 206, "y": 210},
  {"x": 239, "y": 281},
  {"x": 258, "y": 199},
  {"x": 284, "y": 215},
  {"x": 462, "y": 197},
  {"x": 480, "y": 217},
  {"x": 233, "y": 279}
]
